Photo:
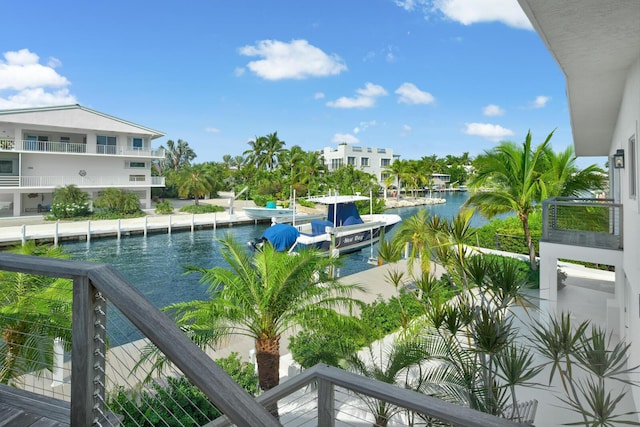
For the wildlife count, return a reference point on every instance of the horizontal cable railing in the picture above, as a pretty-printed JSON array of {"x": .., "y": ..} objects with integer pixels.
[
  {"x": 587, "y": 222},
  {"x": 100, "y": 379},
  {"x": 323, "y": 394}
]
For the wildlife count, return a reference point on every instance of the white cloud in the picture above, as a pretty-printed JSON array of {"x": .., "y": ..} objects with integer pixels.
[
  {"x": 295, "y": 60},
  {"x": 239, "y": 71},
  {"x": 406, "y": 130},
  {"x": 540, "y": 101},
  {"x": 488, "y": 131},
  {"x": 344, "y": 137},
  {"x": 410, "y": 94},
  {"x": 27, "y": 83},
  {"x": 492, "y": 110},
  {"x": 318, "y": 95},
  {"x": 37, "y": 98},
  {"x": 366, "y": 98},
  {"x": 364, "y": 126},
  {"x": 22, "y": 70},
  {"x": 468, "y": 12},
  {"x": 211, "y": 129}
]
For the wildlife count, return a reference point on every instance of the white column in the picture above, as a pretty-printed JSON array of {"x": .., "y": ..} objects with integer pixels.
[
  {"x": 548, "y": 284},
  {"x": 58, "y": 363}
]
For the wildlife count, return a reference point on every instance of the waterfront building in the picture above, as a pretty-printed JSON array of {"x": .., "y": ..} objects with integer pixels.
[
  {"x": 597, "y": 46},
  {"x": 368, "y": 159},
  {"x": 44, "y": 148}
]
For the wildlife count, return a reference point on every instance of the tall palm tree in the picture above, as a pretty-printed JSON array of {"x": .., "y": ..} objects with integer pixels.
[
  {"x": 562, "y": 176},
  {"x": 397, "y": 169},
  {"x": 262, "y": 296},
  {"x": 177, "y": 155},
  {"x": 34, "y": 310},
  {"x": 509, "y": 180},
  {"x": 272, "y": 147},
  {"x": 196, "y": 181}
]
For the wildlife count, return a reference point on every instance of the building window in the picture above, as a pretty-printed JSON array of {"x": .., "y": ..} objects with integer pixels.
[
  {"x": 356, "y": 149},
  {"x": 351, "y": 161},
  {"x": 137, "y": 143},
  {"x": 382, "y": 150},
  {"x": 385, "y": 162},
  {"x": 336, "y": 163},
  {"x": 631, "y": 165},
  {"x": 136, "y": 164},
  {"x": 106, "y": 144},
  {"x": 137, "y": 178},
  {"x": 6, "y": 167},
  {"x": 364, "y": 161},
  {"x": 65, "y": 139}
]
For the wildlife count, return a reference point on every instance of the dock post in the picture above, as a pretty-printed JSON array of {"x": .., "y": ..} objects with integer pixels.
[
  {"x": 145, "y": 226},
  {"x": 23, "y": 233},
  {"x": 169, "y": 227},
  {"x": 193, "y": 220},
  {"x": 118, "y": 228},
  {"x": 89, "y": 231},
  {"x": 215, "y": 225},
  {"x": 55, "y": 233}
]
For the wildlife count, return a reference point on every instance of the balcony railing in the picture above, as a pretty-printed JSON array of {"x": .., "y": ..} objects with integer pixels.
[
  {"x": 586, "y": 222},
  {"x": 96, "y": 369},
  {"x": 77, "y": 148},
  {"x": 83, "y": 181}
]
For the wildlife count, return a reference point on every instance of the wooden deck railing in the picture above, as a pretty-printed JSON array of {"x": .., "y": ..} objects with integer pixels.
[{"x": 95, "y": 284}]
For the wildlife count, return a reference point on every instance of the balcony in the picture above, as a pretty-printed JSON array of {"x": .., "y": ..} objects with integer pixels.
[
  {"x": 594, "y": 223},
  {"x": 104, "y": 304},
  {"x": 22, "y": 146},
  {"x": 82, "y": 181}
]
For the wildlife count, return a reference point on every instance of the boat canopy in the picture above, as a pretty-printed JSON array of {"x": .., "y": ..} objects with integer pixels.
[{"x": 345, "y": 214}]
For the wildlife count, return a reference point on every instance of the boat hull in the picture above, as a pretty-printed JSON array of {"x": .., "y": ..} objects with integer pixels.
[{"x": 268, "y": 213}]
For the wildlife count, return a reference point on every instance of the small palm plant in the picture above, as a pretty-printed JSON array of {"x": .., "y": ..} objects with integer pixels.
[{"x": 571, "y": 351}]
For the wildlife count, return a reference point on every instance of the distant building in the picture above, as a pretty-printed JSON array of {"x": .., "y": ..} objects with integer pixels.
[
  {"x": 368, "y": 159},
  {"x": 45, "y": 148}
]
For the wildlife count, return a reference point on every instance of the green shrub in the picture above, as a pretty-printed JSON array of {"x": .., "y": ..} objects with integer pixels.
[
  {"x": 261, "y": 200},
  {"x": 117, "y": 201},
  {"x": 163, "y": 208},
  {"x": 69, "y": 202},
  {"x": 200, "y": 209},
  {"x": 242, "y": 372}
]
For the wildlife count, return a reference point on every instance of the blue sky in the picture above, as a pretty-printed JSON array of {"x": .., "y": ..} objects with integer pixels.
[{"x": 419, "y": 76}]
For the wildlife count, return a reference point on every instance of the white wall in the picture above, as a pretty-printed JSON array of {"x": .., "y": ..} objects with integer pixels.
[{"x": 626, "y": 127}]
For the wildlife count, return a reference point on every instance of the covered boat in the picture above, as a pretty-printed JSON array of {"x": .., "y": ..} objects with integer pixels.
[{"x": 343, "y": 230}]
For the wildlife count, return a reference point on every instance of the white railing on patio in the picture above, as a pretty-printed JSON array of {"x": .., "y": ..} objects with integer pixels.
[
  {"x": 76, "y": 148},
  {"x": 90, "y": 181}
]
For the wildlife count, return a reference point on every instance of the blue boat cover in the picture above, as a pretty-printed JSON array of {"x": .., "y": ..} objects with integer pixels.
[
  {"x": 318, "y": 226},
  {"x": 344, "y": 211},
  {"x": 271, "y": 205},
  {"x": 281, "y": 236}
]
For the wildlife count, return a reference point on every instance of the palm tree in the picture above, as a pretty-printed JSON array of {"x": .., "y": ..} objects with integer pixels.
[
  {"x": 564, "y": 178},
  {"x": 509, "y": 180},
  {"x": 391, "y": 366},
  {"x": 196, "y": 181},
  {"x": 262, "y": 296},
  {"x": 177, "y": 155},
  {"x": 34, "y": 310},
  {"x": 397, "y": 169}
]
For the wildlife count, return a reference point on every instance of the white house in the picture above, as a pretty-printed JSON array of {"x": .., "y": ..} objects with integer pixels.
[
  {"x": 368, "y": 159},
  {"x": 597, "y": 45},
  {"x": 44, "y": 148}
]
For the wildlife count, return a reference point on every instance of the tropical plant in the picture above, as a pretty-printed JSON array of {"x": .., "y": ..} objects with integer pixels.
[
  {"x": 69, "y": 202},
  {"x": 195, "y": 181},
  {"x": 117, "y": 201},
  {"x": 509, "y": 178},
  {"x": 177, "y": 155},
  {"x": 390, "y": 365},
  {"x": 163, "y": 208},
  {"x": 34, "y": 310},
  {"x": 398, "y": 171},
  {"x": 262, "y": 296},
  {"x": 572, "y": 351}
]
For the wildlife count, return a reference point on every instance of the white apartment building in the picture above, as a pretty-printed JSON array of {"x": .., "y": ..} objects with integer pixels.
[
  {"x": 44, "y": 148},
  {"x": 367, "y": 159},
  {"x": 597, "y": 45}
]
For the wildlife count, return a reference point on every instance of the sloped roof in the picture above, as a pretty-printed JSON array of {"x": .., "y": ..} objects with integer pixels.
[
  {"x": 75, "y": 117},
  {"x": 595, "y": 42}
]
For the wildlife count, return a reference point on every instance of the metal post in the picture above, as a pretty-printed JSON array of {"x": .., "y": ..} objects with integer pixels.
[
  {"x": 23, "y": 230},
  {"x": 169, "y": 227},
  {"x": 55, "y": 233},
  {"x": 146, "y": 224},
  {"x": 193, "y": 219},
  {"x": 118, "y": 229},
  {"x": 89, "y": 231}
]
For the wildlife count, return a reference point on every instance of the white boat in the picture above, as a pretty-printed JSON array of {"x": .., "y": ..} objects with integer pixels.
[
  {"x": 269, "y": 213},
  {"x": 342, "y": 231}
]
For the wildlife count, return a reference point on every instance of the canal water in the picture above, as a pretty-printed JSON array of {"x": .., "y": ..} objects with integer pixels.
[{"x": 155, "y": 263}]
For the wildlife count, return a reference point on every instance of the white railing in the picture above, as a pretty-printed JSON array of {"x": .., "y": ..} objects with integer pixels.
[
  {"x": 76, "y": 148},
  {"x": 90, "y": 181}
]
